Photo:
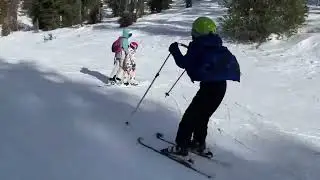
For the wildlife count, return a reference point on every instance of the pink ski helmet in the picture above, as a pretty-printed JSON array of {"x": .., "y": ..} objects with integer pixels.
[{"x": 134, "y": 45}]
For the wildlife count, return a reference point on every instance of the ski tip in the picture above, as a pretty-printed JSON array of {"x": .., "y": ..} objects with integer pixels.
[
  {"x": 140, "y": 139},
  {"x": 159, "y": 135}
]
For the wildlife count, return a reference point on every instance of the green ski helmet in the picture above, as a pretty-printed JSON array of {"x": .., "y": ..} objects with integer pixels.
[{"x": 203, "y": 26}]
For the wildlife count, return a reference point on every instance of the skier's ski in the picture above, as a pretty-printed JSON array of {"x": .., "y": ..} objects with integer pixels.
[
  {"x": 206, "y": 156},
  {"x": 174, "y": 158},
  {"x": 120, "y": 84}
]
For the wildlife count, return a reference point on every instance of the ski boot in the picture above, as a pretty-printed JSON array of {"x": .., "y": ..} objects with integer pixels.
[
  {"x": 179, "y": 152},
  {"x": 133, "y": 82},
  {"x": 176, "y": 150},
  {"x": 114, "y": 80},
  {"x": 200, "y": 149},
  {"x": 126, "y": 83}
]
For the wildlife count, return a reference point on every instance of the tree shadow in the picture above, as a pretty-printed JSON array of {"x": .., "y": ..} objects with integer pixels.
[
  {"x": 176, "y": 27},
  {"x": 313, "y": 24},
  {"x": 160, "y": 24},
  {"x": 314, "y": 3},
  {"x": 108, "y": 26},
  {"x": 103, "y": 78},
  {"x": 55, "y": 128},
  {"x": 314, "y": 10}
]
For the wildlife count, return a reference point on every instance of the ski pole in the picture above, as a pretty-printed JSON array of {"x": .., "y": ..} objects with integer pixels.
[
  {"x": 168, "y": 93},
  {"x": 158, "y": 73}
]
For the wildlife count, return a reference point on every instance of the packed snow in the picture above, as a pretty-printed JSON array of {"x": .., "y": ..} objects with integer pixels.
[{"x": 59, "y": 121}]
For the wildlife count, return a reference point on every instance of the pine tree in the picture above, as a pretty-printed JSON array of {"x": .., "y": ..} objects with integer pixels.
[
  {"x": 93, "y": 7},
  {"x": 68, "y": 11},
  {"x": 188, "y": 3},
  {"x": 117, "y": 6},
  {"x": 250, "y": 20},
  {"x": 46, "y": 12},
  {"x": 8, "y": 16},
  {"x": 13, "y": 14},
  {"x": 159, "y": 5},
  {"x": 128, "y": 10},
  {"x": 155, "y": 6},
  {"x": 51, "y": 14},
  {"x": 140, "y": 8}
]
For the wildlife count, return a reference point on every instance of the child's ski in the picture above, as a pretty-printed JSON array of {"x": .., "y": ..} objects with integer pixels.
[{"x": 121, "y": 84}]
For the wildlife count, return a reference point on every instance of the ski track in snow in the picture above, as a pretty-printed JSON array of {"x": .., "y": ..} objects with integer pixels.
[{"x": 58, "y": 121}]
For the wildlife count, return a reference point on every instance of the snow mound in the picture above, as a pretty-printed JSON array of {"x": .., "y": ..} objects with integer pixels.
[
  {"x": 308, "y": 47},
  {"x": 304, "y": 56}
]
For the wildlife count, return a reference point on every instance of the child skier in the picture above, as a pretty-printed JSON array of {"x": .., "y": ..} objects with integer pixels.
[
  {"x": 120, "y": 48},
  {"x": 212, "y": 64},
  {"x": 130, "y": 65}
]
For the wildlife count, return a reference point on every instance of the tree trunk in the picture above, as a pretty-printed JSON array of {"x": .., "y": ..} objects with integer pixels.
[
  {"x": 132, "y": 6},
  {"x": 2, "y": 7},
  {"x": 80, "y": 12},
  {"x": 13, "y": 14},
  {"x": 126, "y": 5},
  {"x": 123, "y": 6},
  {"x": 140, "y": 11},
  {"x": 36, "y": 26},
  {"x": 6, "y": 18},
  {"x": 5, "y": 27},
  {"x": 188, "y": 3}
]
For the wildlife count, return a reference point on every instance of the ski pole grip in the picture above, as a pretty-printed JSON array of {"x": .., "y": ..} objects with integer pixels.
[{"x": 183, "y": 45}]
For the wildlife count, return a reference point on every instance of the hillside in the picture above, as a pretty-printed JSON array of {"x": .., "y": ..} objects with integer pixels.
[{"x": 59, "y": 121}]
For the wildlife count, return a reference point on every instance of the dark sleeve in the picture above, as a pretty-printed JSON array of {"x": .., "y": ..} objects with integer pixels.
[{"x": 184, "y": 61}]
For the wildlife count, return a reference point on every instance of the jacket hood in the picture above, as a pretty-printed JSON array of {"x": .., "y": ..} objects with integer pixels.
[
  {"x": 126, "y": 33},
  {"x": 211, "y": 40}
]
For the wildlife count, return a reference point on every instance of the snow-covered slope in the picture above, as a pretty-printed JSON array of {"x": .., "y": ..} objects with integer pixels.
[{"x": 57, "y": 123}]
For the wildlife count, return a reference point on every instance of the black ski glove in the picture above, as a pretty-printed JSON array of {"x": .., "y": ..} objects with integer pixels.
[{"x": 174, "y": 47}]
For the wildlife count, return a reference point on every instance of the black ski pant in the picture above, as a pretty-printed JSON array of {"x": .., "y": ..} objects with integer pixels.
[{"x": 196, "y": 117}]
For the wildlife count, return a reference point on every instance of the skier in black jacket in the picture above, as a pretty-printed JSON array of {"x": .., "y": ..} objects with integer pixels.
[{"x": 212, "y": 64}]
